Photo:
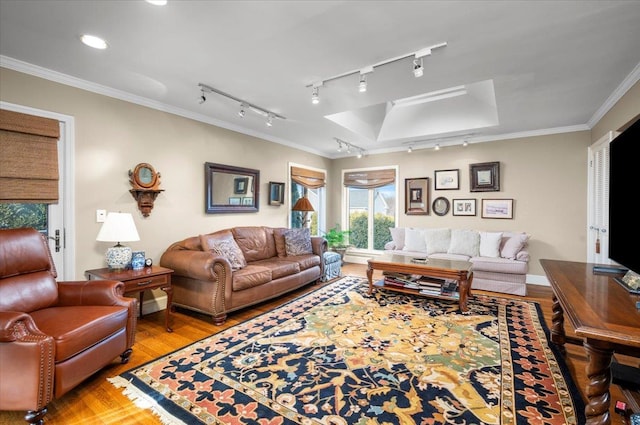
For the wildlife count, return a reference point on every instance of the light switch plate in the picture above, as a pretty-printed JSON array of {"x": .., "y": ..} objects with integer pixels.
[{"x": 101, "y": 216}]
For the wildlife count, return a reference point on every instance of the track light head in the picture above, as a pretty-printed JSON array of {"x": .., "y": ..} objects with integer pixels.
[
  {"x": 465, "y": 143},
  {"x": 315, "y": 97},
  {"x": 202, "y": 98},
  {"x": 437, "y": 146},
  {"x": 409, "y": 149},
  {"x": 241, "y": 111},
  {"x": 418, "y": 68},
  {"x": 269, "y": 120},
  {"x": 362, "y": 87},
  {"x": 359, "y": 154},
  {"x": 339, "y": 147}
]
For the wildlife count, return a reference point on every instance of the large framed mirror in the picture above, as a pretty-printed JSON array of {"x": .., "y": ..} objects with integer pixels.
[{"x": 231, "y": 189}]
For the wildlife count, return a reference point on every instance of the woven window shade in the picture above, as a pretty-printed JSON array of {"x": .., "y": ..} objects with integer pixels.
[
  {"x": 308, "y": 178},
  {"x": 28, "y": 158},
  {"x": 369, "y": 179}
]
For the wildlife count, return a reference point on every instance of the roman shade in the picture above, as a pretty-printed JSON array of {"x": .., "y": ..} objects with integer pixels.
[
  {"x": 310, "y": 179},
  {"x": 28, "y": 158},
  {"x": 369, "y": 179}
]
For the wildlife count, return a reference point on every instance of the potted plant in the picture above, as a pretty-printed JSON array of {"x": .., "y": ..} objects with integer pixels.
[{"x": 337, "y": 240}]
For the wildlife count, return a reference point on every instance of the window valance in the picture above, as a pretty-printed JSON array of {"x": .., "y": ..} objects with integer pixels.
[
  {"x": 28, "y": 158},
  {"x": 369, "y": 179},
  {"x": 310, "y": 179}
]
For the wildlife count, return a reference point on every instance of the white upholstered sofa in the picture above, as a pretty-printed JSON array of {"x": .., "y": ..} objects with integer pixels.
[{"x": 500, "y": 259}]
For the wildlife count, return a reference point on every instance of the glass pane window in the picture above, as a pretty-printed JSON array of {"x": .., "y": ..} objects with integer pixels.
[
  {"x": 384, "y": 214},
  {"x": 16, "y": 215},
  {"x": 358, "y": 209},
  {"x": 371, "y": 212},
  {"x": 315, "y": 196}
]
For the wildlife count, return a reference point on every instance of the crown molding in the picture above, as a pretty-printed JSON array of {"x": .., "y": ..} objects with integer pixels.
[{"x": 617, "y": 94}]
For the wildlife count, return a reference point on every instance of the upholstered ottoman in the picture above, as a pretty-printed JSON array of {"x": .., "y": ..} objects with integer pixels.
[{"x": 332, "y": 264}]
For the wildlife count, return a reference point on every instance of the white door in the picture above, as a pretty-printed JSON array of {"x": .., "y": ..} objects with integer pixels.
[
  {"x": 598, "y": 201},
  {"x": 59, "y": 217}
]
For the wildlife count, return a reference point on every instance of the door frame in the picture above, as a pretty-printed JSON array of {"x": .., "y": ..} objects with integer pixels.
[{"x": 64, "y": 213}]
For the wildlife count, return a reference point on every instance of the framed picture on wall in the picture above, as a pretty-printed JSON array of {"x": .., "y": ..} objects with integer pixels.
[
  {"x": 234, "y": 200},
  {"x": 240, "y": 185},
  {"x": 497, "y": 208},
  {"x": 447, "y": 179},
  {"x": 416, "y": 196},
  {"x": 485, "y": 177},
  {"x": 464, "y": 207},
  {"x": 276, "y": 193}
]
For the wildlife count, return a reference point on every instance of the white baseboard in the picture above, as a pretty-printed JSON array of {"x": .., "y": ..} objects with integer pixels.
[{"x": 152, "y": 305}]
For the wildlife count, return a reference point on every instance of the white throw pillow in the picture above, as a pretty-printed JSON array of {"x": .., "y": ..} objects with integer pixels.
[
  {"x": 437, "y": 240},
  {"x": 397, "y": 234},
  {"x": 414, "y": 240},
  {"x": 490, "y": 244},
  {"x": 512, "y": 244},
  {"x": 464, "y": 242}
]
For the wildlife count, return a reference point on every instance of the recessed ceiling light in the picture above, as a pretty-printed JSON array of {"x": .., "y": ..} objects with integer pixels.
[
  {"x": 157, "y": 2},
  {"x": 93, "y": 41}
]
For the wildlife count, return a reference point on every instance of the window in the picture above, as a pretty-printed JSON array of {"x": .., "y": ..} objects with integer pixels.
[
  {"x": 311, "y": 184},
  {"x": 371, "y": 207}
]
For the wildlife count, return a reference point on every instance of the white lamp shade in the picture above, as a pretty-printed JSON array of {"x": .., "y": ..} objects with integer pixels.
[{"x": 118, "y": 227}]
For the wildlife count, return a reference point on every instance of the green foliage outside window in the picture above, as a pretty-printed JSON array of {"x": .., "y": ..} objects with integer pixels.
[
  {"x": 23, "y": 215},
  {"x": 358, "y": 224}
]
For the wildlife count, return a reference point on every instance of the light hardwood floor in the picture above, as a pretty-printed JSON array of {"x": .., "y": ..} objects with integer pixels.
[{"x": 96, "y": 401}]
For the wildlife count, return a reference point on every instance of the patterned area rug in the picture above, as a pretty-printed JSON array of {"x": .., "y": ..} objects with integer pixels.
[{"x": 340, "y": 356}]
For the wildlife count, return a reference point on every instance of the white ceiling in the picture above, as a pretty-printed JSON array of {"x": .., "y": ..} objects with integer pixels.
[{"x": 526, "y": 67}]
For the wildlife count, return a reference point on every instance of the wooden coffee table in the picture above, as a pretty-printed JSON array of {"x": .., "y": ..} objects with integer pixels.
[{"x": 444, "y": 269}]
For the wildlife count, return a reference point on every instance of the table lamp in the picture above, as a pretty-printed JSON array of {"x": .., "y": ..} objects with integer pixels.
[
  {"x": 304, "y": 206},
  {"x": 118, "y": 227}
]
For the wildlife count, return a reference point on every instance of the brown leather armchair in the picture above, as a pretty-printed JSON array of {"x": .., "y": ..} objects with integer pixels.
[{"x": 53, "y": 335}]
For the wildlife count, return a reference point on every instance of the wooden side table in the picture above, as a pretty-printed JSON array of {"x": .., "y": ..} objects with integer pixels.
[{"x": 154, "y": 277}]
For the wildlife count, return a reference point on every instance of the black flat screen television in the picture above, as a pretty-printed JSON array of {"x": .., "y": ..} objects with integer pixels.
[{"x": 624, "y": 182}]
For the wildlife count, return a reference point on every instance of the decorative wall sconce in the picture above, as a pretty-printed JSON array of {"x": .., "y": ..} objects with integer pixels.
[{"x": 146, "y": 187}]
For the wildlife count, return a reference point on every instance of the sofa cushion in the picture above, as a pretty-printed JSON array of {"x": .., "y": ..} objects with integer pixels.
[
  {"x": 278, "y": 237},
  {"x": 450, "y": 257},
  {"x": 499, "y": 265},
  {"x": 226, "y": 247},
  {"x": 256, "y": 242},
  {"x": 279, "y": 267},
  {"x": 250, "y": 276},
  {"x": 298, "y": 241},
  {"x": 490, "y": 244},
  {"x": 397, "y": 236},
  {"x": 437, "y": 240},
  {"x": 75, "y": 328},
  {"x": 512, "y": 243},
  {"x": 306, "y": 261},
  {"x": 414, "y": 240},
  {"x": 464, "y": 242}
]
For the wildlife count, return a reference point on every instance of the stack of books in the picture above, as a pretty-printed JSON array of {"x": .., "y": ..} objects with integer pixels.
[{"x": 426, "y": 285}]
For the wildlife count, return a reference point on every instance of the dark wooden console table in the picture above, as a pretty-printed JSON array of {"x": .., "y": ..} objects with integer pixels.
[{"x": 604, "y": 315}]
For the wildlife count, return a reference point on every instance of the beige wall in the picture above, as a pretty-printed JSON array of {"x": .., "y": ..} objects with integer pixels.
[
  {"x": 546, "y": 176},
  {"x": 112, "y": 136}
]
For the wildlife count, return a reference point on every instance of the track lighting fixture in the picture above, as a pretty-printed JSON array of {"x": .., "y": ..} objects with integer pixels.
[
  {"x": 437, "y": 146},
  {"x": 465, "y": 143},
  {"x": 409, "y": 149},
  {"x": 202, "y": 98},
  {"x": 243, "y": 104},
  {"x": 349, "y": 147},
  {"x": 418, "y": 70}
]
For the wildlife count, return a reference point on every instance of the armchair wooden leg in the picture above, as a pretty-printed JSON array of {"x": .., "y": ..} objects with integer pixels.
[
  {"x": 124, "y": 357},
  {"x": 36, "y": 417}
]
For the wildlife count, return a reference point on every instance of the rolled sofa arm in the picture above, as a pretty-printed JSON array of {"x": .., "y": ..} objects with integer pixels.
[
  {"x": 23, "y": 344},
  {"x": 197, "y": 265}
]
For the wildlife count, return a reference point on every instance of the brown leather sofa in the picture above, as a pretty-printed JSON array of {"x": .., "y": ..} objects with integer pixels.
[
  {"x": 204, "y": 281},
  {"x": 53, "y": 335}
]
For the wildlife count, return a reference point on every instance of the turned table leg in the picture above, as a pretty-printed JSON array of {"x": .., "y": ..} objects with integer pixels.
[
  {"x": 370, "y": 277},
  {"x": 599, "y": 374},
  {"x": 558, "y": 336}
]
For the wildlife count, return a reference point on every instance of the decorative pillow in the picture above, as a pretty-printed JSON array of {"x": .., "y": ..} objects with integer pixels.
[
  {"x": 464, "y": 242},
  {"x": 397, "y": 234},
  {"x": 414, "y": 240},
  {"x": 490, "y": 244},
  {"x": 226, "y": 248},
  {"x": 298, "y": 241},
  {"x": 437, "y": 240},
  {"x": 513, "y": 244}
]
